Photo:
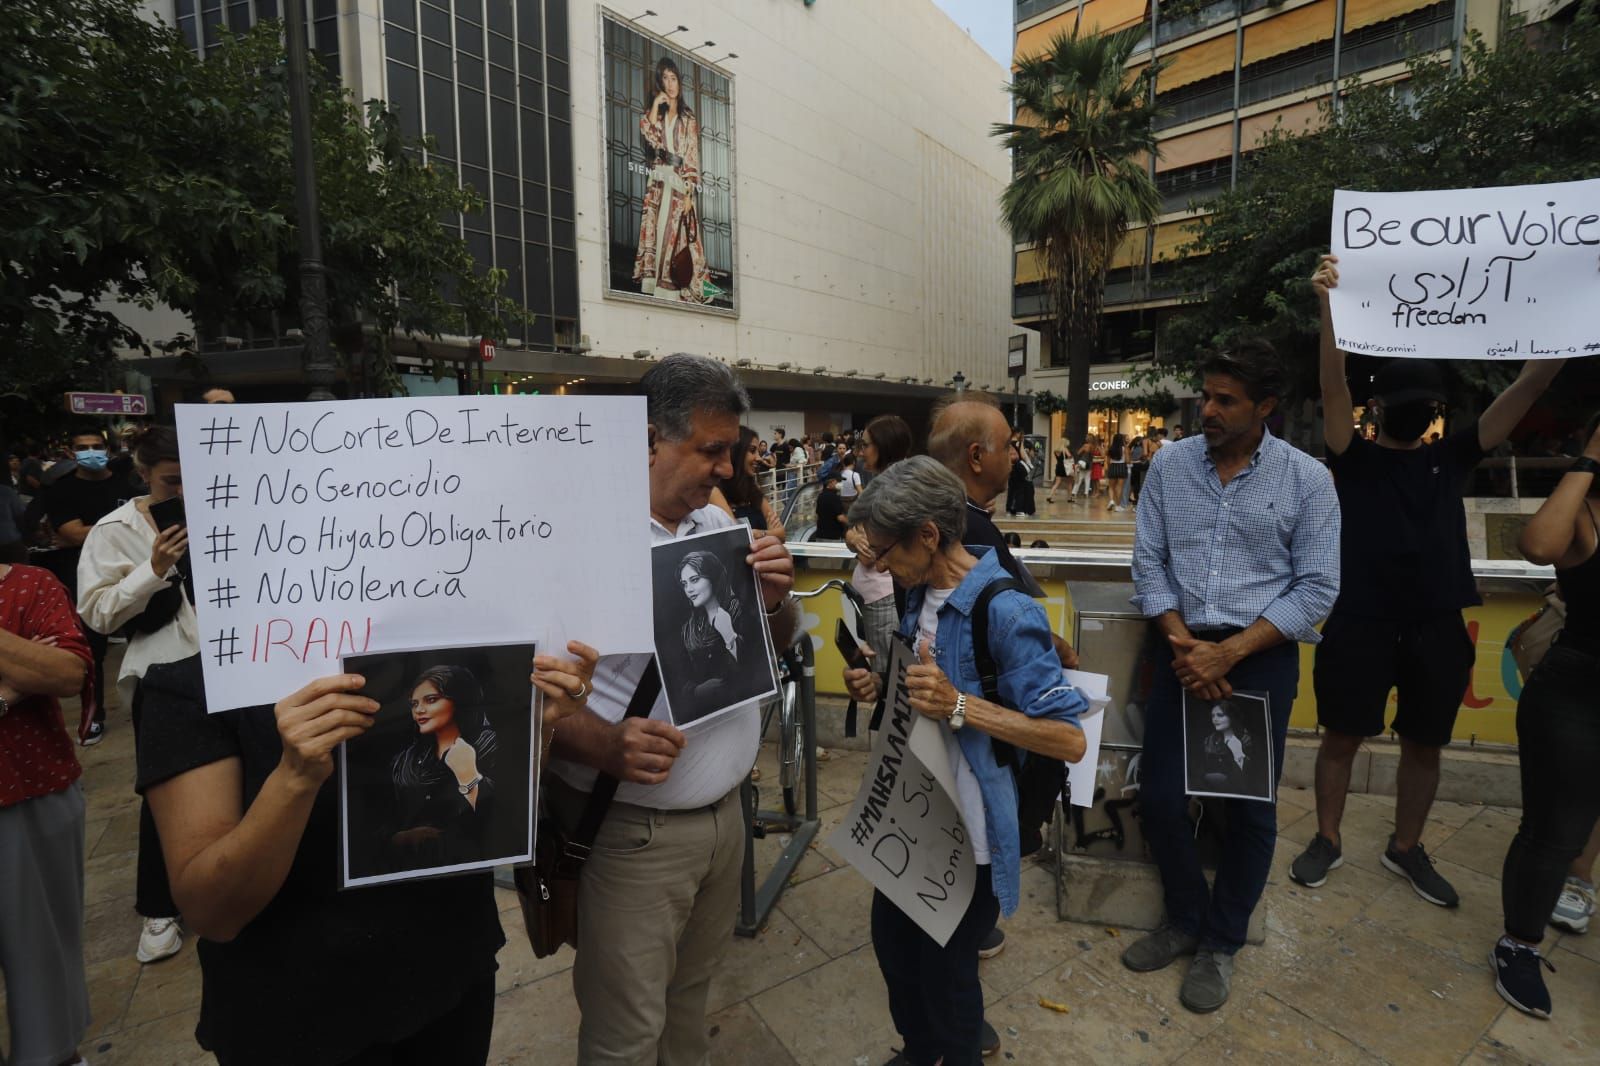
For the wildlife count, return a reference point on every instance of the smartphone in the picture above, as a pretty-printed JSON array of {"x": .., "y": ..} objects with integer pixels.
[
  {"x": 168, "y": 513},
  {"x": 849, "y": 647}
]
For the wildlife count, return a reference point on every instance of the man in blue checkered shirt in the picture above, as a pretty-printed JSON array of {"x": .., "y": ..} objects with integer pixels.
[{"x": 1235, "y": 560}]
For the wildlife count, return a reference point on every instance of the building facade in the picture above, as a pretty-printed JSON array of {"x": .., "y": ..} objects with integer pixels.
[
  {"x": 821, "y": 210},
  {"x": 1234, "y": 69}
]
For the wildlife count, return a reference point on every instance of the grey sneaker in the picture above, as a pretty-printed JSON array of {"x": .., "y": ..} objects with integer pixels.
[
  {"x": 1416, "y": 867},
  {"x": 1311, "y": 868},
  {"x": 993, "y": 944},
  {"x": 1157, "y": 950},
  {"x": 1575, "y": 907},
  {"x": 989, "y": 1043},
  {"x": 1206, "y": 987}
]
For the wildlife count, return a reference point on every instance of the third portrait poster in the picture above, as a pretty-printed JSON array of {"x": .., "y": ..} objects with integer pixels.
[{"x": 1228, "y": 746}]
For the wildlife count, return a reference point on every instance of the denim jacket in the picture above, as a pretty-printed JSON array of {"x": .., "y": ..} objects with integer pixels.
[{"x": 1029, "y": 681}]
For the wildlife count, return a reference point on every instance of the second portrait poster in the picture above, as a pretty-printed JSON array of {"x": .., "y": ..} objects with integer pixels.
[{"x": 711, "y": 631}]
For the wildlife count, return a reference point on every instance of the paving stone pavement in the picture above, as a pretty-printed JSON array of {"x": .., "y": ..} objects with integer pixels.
[{"x": 1358, "y": 971}]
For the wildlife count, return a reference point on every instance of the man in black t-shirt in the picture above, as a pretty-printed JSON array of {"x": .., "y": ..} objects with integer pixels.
[
  {"x": 1406, "y": 575},
  {"x": 73, "y": 504},
  {"x": 830, "y": 510}
]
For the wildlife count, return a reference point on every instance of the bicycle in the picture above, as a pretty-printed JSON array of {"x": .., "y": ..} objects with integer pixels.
[
  {"x": 792, "y": 741},
  {"x": 795, "y": 707}
]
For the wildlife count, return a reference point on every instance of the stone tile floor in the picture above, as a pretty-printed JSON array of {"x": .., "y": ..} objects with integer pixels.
[{"x": 1358, "y": 971}]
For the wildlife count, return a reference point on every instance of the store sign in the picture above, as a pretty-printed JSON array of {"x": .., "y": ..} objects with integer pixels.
[
  {"x": 1017, "y": 356},
  {"x": 107, "y": 403},
  {"x": 1107, "y": 386}
]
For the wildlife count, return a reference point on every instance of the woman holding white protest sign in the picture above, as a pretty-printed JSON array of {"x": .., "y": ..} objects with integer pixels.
[
  {"x": 913, "y": 516},
  {"x": 292, "y": 969}
]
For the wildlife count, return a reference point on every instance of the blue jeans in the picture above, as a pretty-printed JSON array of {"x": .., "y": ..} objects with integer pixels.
[
  {"x": 935, "y": 996},
  {"x": 1218, "y": 915}
]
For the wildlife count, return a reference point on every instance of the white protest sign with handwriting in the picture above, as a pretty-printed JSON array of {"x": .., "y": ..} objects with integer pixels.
[
  {"x": 1506, "y": 273},
  {"x": 904, "y": 833},
  {"x": 320, "y": 530}
]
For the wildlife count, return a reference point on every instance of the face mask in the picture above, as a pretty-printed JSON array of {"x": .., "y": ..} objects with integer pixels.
[
  {"x": 92, "y": 459},
  {"x": 1408, "y": 421}
]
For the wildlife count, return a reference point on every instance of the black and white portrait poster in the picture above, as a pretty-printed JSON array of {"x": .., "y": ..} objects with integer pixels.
[
  {"x": 669, "y": 172},
  {"x": 711, "y": 632},
  {"x": 1227, "y": 746},
  {"x": 444, "y": 781}
]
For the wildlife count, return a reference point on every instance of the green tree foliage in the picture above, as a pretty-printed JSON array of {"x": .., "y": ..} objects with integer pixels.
[
  {"x": 131, "y": 170},
  {"x": 1080, "y": 144},
  {"x": 1523, "y": 113}
]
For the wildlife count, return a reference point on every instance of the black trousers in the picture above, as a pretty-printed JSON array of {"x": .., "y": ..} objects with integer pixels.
[
  {"x": 1558, "y": 747},
  {"x": 459, "y": 1037},
  {"x": 98, "y": 642},
  {"x": 152, "y": 888},
  {"x": 935, "y": 996}
]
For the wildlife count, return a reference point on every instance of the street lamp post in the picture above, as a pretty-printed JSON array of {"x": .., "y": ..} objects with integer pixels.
[{"x": 320, "y": 368}]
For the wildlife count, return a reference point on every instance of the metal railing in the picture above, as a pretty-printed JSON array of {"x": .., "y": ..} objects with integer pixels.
[{"x": 780, "y": 484}]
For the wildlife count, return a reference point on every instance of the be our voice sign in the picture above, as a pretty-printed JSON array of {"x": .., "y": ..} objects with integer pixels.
[
  {"x": 320, "y": 530},
  {"x": 1469, "y": 273}
]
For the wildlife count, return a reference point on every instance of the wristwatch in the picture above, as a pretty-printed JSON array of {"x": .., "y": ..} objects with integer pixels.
[
  {"x": 467, "y": 788},
  {"x": 1584, "y": 465},
  {"x": 5, "y": 706},
  {"x": 958, "y": 717}
]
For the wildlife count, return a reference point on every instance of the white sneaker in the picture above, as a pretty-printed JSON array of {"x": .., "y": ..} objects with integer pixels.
[
  {"x": 1575, "y": 907},
  {"x": 160, "y": 939}
]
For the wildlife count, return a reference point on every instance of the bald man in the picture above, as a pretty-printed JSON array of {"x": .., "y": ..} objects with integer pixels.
[{"x": 971, "y": 438}]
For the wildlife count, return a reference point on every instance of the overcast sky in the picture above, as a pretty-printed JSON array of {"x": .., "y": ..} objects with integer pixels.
[{"x": 989, "y": 22}]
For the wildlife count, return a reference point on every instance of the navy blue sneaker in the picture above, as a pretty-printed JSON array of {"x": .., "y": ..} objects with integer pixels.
[{"x": 1517, "y": 977}]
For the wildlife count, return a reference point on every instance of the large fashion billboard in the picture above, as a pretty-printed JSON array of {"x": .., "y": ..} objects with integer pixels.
[{"x": 669, "y": 172}]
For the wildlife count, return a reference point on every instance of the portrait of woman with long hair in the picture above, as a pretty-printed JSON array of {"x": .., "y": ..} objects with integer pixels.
[
  {"x": 1227, "y": 747},
  {"x": 671, "y": 259},
  {"x": 720, "y": 638},
  {"x": 444, "y": 778}
]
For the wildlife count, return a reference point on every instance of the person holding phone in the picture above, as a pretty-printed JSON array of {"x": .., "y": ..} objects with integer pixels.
[{"x": 130, "y": 581}]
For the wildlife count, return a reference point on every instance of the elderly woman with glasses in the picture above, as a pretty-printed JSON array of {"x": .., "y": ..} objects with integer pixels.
[{"x": 914, "y": 515}]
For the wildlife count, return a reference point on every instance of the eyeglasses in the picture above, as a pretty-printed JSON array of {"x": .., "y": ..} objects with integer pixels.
[{"x": 879, "y": 553}]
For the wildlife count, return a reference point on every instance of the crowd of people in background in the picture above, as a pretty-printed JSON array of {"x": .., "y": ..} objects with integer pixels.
[{"x": 1364, "y": 557}]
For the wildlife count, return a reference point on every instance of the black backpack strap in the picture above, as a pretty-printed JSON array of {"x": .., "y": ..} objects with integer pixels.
[
  {"x": 576, "y": 851},
  {"x": 988, "y": 670}
]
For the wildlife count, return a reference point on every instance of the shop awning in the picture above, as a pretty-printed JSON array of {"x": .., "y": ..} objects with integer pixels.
[
  {"x": 1298, "y": 118},
  {"x": 1097, "y": 16},
  {"x": 1198, "y": 147},
  {"x": 1359, "y": 13},
  {"x": 1288, "y": 31},
  {"x": 1203, "y": 60}
]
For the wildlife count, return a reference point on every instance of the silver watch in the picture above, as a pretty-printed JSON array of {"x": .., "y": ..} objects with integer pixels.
[
  {"x": 958, "y": 717},
  {"x": 5, "y": 706},
  {"x": 466, "y": 789}
]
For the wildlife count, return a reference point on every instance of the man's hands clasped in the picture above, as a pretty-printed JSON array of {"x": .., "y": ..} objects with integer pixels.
[{"x": 1202, "y": 667}]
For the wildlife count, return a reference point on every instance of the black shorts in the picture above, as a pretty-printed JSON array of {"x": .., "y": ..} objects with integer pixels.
[{"x": 1426, "y": 661}]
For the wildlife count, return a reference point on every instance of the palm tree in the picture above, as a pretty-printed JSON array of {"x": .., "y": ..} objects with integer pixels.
[{"x": 1081, "y": 146}]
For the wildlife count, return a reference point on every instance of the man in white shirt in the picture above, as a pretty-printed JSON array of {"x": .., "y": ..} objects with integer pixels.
[
  {"x": 849, "y": 480},
  {"x": 658, "y": 895}
]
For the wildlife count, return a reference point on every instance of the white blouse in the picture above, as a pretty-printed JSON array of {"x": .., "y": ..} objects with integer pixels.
[{"x": 115, "y": 583}]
